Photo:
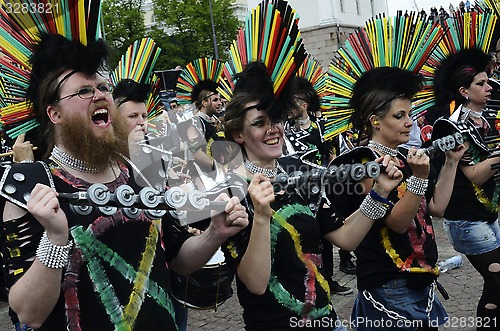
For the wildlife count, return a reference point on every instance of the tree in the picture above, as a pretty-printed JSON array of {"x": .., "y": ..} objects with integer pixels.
[
  {"x": 184, "y": 30},
  {"x": 123, "y": 24}
]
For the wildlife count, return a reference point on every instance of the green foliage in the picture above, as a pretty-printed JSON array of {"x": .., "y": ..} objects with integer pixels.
[
  {"x": 186, "y": 30},
  {"x": 123, "y": 24}
]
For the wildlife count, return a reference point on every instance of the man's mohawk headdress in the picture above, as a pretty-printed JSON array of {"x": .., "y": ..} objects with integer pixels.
[
  {"x": 137, "y": 65},
  {"x": 34, "y": 43},
  {"x": 200, "y": 74},
  {"x": 319, "y": 81}
]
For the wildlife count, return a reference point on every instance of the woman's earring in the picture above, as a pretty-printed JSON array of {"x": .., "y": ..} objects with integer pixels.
[{"x": 375, "y": 122}]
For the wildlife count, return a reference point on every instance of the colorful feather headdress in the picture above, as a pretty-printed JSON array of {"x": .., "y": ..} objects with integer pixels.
[
  {"x": 467, "y": 40},
  {"x": 312, "y": 71},
  {"x": 200, "y": 74},
  {"x": 403, "y": 41},
  {"x": 23, "y": 32},
  {"x": 137, "y": 64},
  {"x": 271, "y": 36}
]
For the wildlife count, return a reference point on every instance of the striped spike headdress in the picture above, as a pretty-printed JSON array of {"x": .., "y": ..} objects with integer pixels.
[
  {"x": 199, "y": 75},
  {"x": 490, "y": 6},
  {"x": 133, "y": 77},
  {"x": 36, "y": 47},
  {"x": 403, "y": 41},
  {"x": 270, "y": 37},
  {"x": 466, "y": 42},
  {"x": 312, "y": 73}
]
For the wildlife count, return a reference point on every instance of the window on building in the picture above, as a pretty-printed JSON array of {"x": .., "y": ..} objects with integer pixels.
[
  {"x": 357, "y": 7},
  {"x": 342, "y": 8}
]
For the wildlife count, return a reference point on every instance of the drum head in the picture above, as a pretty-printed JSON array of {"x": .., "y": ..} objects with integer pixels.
[{"x": 216, "y": 259}]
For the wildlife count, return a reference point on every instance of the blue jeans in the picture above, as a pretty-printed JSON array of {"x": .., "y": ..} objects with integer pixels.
[
  {"x": 395, "y": 306},
  {"x": 472, "y": 237}
]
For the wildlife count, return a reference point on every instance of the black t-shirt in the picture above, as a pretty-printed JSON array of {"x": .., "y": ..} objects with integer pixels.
[
  {"x": 384, "y": 254},
  {"x": 297, "y": 288},
  {"x": 117, "y": 272},
  {"x": 469, "y": 201}
]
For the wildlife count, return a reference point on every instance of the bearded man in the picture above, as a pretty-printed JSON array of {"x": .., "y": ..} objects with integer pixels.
[{"x": 76, "y": 268}]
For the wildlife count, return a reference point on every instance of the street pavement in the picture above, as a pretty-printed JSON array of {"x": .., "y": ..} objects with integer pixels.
[{"x": 464, "y": 285}]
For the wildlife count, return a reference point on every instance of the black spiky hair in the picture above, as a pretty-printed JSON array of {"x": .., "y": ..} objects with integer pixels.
[
  {"x": 204, "y": 85},
  {"x": 130, "y": 90},
  {"x": 458, "y": 70},
  {"x": 377, "y": 88},
  {"x": 256, "y": 82},
  {"x": 55, "y": 54},
  {"x": 303, "y": 87}
]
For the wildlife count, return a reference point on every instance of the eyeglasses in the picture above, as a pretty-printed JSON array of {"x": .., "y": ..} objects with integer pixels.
[{"x": 88, "y": 92}]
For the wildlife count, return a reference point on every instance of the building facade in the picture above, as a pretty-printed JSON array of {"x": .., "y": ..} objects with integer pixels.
[{"x": 324, "y": 24}]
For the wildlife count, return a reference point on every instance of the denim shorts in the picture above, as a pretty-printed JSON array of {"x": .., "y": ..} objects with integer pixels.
[
  {"x": 395, "y": 306},
  {"x": 472, "y": 237}
]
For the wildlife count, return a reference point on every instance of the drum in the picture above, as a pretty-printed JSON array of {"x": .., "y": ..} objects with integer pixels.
[{"x": 206, "y": 288}]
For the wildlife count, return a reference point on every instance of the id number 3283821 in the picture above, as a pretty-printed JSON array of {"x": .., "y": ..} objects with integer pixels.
[{"x": 31, "y": 8}]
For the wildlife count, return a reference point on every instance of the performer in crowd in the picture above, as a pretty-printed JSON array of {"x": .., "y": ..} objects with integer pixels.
[
  {"x": 278, "y": 264},
  {"x": 396, "y": 261},
  {"x": 202, "y": 132},
  {"x": 304, "y": 140},
  {"x": 92, "y": 270},
  {"x": 471, "y": 219}
]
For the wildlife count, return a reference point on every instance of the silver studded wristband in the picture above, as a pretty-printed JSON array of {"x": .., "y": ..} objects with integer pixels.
[
  {"x": 53, "y": 256},
  {"x": 416, "y": 185},
  {"x": 373, "y": 209}
]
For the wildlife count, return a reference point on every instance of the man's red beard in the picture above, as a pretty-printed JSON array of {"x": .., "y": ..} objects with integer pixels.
[{"x": 97, "y": 152}]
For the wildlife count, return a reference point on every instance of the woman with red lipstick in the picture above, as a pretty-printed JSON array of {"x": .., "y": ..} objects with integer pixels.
[
  {"x": 471, "y": 219},
  {"x": 278, "y": 263}
]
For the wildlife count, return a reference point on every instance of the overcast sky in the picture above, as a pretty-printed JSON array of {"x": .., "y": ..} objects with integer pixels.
[{"x": 394, "y": 5}]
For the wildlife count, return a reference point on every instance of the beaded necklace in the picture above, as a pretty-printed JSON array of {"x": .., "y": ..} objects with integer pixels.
[
  {"x": 384, "y": 149},
  {"x": 69, "y": 161},
  {"x": 269, "y": 173}
]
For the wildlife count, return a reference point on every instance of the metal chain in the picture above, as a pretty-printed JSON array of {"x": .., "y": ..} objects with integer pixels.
[
  {"x": 380, "y": 307},
  {"x": 394, "y": 315},
  {"x": 430, "y": 300}
]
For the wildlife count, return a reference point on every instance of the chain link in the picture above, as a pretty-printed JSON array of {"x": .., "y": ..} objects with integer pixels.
[{"x": 394, "y": 315}]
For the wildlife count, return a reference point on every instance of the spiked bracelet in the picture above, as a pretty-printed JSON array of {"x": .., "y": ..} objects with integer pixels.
[
  {"x": 373, "y": 209},
  {"x": 53, "y": 256},
  {"x": 416, "y": 185}
]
